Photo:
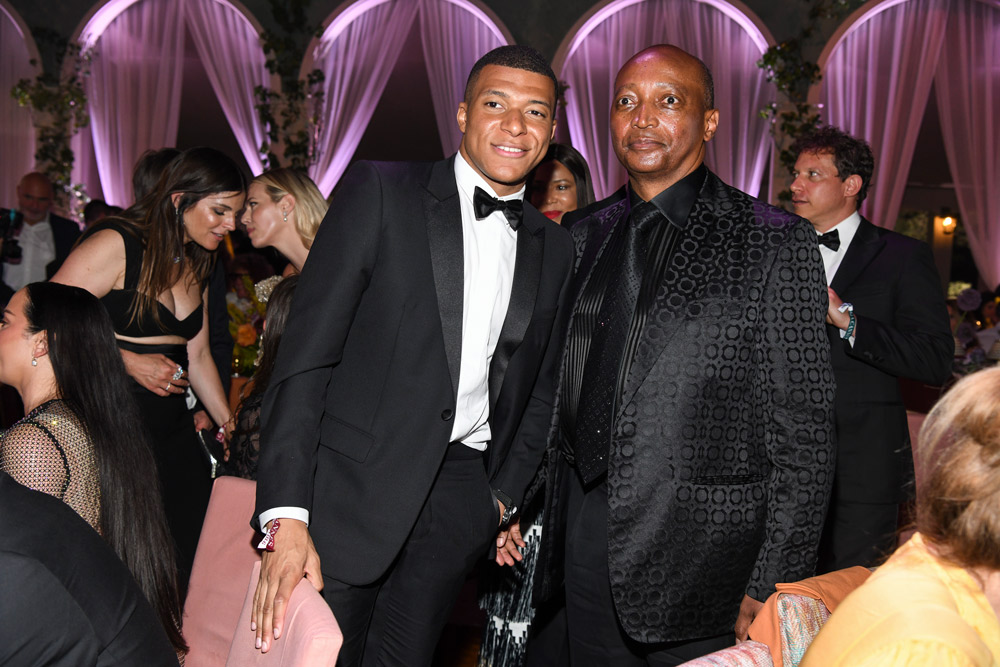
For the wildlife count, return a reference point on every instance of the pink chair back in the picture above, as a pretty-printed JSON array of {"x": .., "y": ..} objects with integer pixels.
[
  {"x": 222, "y": 564},
  {"x": 312, "y": 637}
]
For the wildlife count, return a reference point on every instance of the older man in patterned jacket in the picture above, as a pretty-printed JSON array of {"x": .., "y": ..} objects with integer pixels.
[{"x": 695, "y": 433}]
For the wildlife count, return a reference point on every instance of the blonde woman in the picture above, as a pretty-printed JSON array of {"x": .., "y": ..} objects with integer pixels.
[
  {"x": 283, "y": 211},
  {"x": 936, "y": 601}
]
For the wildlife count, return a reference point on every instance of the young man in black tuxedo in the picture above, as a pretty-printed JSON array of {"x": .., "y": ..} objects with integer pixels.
[
  {"x": 413, "y": 390},
  {"x": 894, "y": 324},
  {"x": 694, "y": 454}
]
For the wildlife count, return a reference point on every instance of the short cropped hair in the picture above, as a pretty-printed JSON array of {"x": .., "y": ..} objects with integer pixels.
[
  {"x": 958, "y": 498},
  {"x": 516, "y": 57},
  {"x": 708, "y": 83},
  {"x": 850, "y": 154}
]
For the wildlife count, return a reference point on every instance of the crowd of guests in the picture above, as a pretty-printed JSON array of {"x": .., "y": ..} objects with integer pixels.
[{"x": 646, "y": 422}]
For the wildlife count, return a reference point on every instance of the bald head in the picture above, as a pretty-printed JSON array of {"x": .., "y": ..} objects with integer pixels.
[
  {"x": 34, "y": 197},
  {"x": 682, "y": 57},
  {"x": 662, "y": 117}
]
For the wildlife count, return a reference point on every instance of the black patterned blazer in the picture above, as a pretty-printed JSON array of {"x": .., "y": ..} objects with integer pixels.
[{"x": 722, "y": 458}]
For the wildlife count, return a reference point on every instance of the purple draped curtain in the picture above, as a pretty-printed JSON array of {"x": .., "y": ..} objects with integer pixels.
[
  {"x": 875, "y": 85},
  {"x": 229, "y": 49},
  {"x": 134, "y": 90},
  {"x": 17, "y": 134},
  {"x": 968, "y": 98},
  {"x": 357, "y": 53},
  {"x": 455, "y": 35},
  {"x": 716, "y": 32}
]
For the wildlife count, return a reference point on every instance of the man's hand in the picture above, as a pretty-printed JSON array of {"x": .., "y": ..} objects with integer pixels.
[
  {"x": 294, "y": 556},
  {"x": 748, "y": 611},
  {"x": 508, "y": 542},
  {"x": 155, "y": 372},
  {"x": 833, "y": 315}
]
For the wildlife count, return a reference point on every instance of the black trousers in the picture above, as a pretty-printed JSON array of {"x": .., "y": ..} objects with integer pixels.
[
  {"x": 857, "y": 534},
  {"x": 398, "y": 619},
  {"x": 595, "y": 635}
]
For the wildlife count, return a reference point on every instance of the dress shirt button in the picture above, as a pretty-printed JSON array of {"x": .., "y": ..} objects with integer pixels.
[{"x": 447, "y": 414}]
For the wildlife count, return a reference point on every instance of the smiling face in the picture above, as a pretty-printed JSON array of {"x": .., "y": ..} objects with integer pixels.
[
  {"x": 263, "y": 217},
  {"x": 818, "y": 193},
  {"x": 659, "y": 123},
  {"x": 506, "y": 125},
  {"x": 16, "y": 345},
  {"x": 553, "y": 190},
  {"x": 211, "y": 218}
]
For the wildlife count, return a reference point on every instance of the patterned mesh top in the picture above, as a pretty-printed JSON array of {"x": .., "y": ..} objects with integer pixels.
[{"x": 49, "y": 451}]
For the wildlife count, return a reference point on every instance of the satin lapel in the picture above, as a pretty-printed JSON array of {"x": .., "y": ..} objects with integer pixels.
[
  {"x": 865, "y": 246},
  {"x": 443, "y": 214},
  {"x": 524, "y": 289}
]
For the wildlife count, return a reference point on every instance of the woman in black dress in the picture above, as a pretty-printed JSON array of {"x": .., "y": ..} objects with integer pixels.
[{"x": 149, "y": 268}]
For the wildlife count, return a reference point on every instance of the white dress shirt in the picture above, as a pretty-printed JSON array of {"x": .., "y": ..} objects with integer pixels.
[
  {"x": 846, "y": 229},
  {"x": 490, "y": 248},
  {"x": 38, "y": 249}
]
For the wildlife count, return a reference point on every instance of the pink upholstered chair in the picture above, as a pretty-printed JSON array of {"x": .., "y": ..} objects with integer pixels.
[
  {"x": 220, "y": 594},
  {"x": 312, "y": 637},
  {"x": 222, "y": 564}
]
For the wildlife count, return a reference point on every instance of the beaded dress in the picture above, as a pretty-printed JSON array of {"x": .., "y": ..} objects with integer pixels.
[{"x": 49, "y": 450}]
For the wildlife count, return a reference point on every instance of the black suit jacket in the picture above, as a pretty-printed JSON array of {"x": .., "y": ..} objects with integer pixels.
[
  {"x": 67, "y": 599},
  {"x": 903, "y": 331},
  {"x": 359, "y": 412},
  {"x": 722, "y": 451}
]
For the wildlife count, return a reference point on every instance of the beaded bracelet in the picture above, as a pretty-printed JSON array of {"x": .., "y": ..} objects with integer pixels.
[{"x": 853, "y": 321}]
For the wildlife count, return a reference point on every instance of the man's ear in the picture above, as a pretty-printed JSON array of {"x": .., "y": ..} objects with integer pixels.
[
  {"x": 852, "y": 185},
  {"x": 462, "y": 116},
  {"x": 711, "y": 123}
]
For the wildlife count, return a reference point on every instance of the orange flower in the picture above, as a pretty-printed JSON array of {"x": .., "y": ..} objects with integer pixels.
[{"x": 246, "y": 335}]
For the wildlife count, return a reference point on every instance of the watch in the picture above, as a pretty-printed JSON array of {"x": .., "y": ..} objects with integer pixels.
[{"x": 510, "y": 510}]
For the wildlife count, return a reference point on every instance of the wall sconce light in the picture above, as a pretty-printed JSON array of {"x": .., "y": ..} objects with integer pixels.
[{"x": 946, "y": 221}]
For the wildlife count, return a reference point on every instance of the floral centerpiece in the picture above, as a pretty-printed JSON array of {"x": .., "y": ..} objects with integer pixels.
[{"x": 246, "y": 322}]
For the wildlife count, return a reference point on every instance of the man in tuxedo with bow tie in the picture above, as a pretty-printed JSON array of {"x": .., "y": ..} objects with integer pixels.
[
  {"x": 886, "y": 320},
  {"x": 413, "y": 389},
  {"x": 694, "y": 456}
]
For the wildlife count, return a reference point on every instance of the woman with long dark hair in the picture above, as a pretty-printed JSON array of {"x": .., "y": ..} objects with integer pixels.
[
  {"x": 149, "y": 268},
  {"x": 82, "y": 439},
  {"x": 245, "y": 442}
]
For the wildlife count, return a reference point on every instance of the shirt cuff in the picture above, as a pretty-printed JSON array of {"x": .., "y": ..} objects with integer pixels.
[
  {"x": 284, "y": 513},
  {"x": 843, "y": 334}
]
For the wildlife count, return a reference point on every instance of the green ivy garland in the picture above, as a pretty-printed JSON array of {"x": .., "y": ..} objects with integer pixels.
[
  {"x": 58, "y": 104},
  {"x": 793, "y": 75},
  {"x": 291, "y": 118}
]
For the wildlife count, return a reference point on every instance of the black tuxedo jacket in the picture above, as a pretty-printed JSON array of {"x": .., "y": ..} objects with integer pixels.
[
  {"x": 721, "y": 460},
  {"x": 67, "y": 599},
  {"x": 903, "y": 331},
  {"x": 360, "y": 408}
]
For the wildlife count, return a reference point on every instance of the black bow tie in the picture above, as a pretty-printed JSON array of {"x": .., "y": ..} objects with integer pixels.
[
  {"x": 831, "y": 240},
  {"x": 483, "y": 205}
]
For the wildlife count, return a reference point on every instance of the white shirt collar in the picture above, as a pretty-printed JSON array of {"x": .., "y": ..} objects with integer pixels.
[
  {"x": 468, "y": 178},
  {"x": 846, "y": 229}
]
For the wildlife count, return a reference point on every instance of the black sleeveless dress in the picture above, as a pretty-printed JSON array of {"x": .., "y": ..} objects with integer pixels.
[{"x": 184, "y": 474}]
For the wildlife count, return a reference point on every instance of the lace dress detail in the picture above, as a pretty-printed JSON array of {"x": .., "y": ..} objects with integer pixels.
[
  {"x": 244, "y": 446},
  {"x": 50, "y": 451}
]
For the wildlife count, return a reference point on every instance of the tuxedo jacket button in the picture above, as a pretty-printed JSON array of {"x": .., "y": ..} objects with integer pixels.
[{"x": 447, "y": 414}]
